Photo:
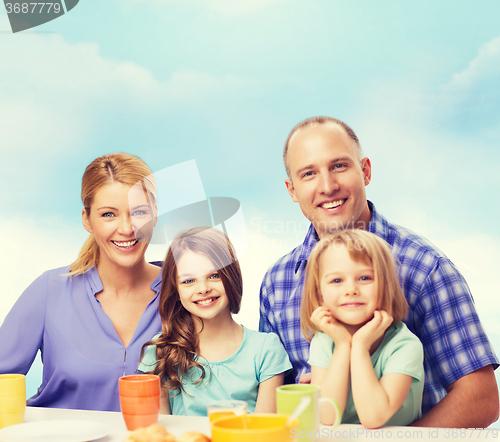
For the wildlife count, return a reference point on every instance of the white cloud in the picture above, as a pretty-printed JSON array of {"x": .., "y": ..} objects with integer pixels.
[
  {"x": 263, "y": 251},
  {"x": 471, "y": 99},
  {"x": 30, "y": 248},
  {"x": 55, "y": 94},
  {"x": 240, "y": 7},
  {"x": 420, "y": 117},
  {"x": 228, "y": 7},
  {"x": 424, "y": 169},
  {"x": 58, "y": 97},
  {"x": 51, "y": 90},
  {"x": 27, "y": 126},
  {"x": 408, "y": 154},
  {"x": 199, "y": 85},
  {"x": 485, "y": 68}
]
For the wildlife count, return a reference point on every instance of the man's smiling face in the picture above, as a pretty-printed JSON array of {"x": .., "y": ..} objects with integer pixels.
[{"x": 327, "y": 179}]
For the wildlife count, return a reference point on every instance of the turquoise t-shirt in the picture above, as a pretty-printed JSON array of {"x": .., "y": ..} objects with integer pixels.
[
  {"x": 260, "y": 357},
  {"x": 399, "y": 352}
]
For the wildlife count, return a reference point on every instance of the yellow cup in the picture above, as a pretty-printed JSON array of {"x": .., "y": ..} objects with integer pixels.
[
  {"x": 12, "y": 399},
  {"x": 253, "y": 427}
]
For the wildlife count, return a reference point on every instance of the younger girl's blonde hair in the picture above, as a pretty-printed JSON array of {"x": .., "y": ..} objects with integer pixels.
[
  {"x": 108, "y": 169},
  {"x": 362, "y": 247}
]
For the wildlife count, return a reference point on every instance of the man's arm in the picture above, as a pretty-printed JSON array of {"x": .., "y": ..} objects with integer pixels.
[
  {"x": 450, "y": 327},
  {"x": 471, "y": 402}
]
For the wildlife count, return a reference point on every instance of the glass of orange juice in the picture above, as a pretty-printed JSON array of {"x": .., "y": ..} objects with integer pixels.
[{"x": 218, "y": 409}]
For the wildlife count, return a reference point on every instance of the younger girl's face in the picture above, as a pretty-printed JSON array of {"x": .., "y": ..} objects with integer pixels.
[
  {"x": 348, "y": 287},
  {"x": 200, "y": 287}
]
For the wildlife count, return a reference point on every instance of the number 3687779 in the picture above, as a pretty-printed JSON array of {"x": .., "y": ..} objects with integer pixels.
[{"x": 33, "y": 8}]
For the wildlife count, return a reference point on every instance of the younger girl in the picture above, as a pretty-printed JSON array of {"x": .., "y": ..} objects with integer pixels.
[
  {"x": 202, "y": 354},
  {"x": 361, "y": 354}
]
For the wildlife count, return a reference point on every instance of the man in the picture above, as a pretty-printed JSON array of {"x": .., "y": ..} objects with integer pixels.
[{"x": 327, "y": 175}]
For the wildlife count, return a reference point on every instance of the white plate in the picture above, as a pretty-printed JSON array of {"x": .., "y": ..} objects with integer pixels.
[{"x": 54, "y": 431}]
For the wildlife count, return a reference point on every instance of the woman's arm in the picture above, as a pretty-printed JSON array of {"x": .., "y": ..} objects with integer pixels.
[
  {"x": 21, "y": 332},
  {"x": 266, "y": 398}
]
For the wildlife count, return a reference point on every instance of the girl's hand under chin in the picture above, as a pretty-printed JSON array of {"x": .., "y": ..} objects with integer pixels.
[
  {"x": 324, "y": 321},
  {"x": 373, "y": 330}
]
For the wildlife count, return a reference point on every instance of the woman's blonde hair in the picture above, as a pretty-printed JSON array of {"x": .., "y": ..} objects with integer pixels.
[
  {"x": 113, "y": 168},
  {"x": 362, "y": 247}
]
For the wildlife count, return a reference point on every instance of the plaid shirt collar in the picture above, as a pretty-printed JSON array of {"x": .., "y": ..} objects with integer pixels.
[{"x": 377, "y": 225}]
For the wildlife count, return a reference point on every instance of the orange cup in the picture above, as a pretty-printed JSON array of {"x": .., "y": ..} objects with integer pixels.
[{"x": 139, "y": 400}]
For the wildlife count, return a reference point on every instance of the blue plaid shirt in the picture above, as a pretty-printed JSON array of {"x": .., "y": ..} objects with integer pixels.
[{"x": 442, "y": 312}]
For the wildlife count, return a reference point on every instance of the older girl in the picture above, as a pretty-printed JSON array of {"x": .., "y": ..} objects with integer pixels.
[
  {"x": 90, "y": 320},
  {"x": 361, "y": 354},
  {"x": 203, "y": 354}
]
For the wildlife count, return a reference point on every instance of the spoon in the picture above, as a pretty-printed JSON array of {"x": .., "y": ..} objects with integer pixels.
[{"x": 299, "y": 409}]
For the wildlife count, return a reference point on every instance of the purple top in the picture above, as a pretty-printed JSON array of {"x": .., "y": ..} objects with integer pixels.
[{"x": 82, "y": 355}]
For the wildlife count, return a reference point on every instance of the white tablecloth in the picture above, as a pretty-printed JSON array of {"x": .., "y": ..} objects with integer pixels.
[
  {"x": 176, "y": 425},
  {"x": 348, "y": 433}
]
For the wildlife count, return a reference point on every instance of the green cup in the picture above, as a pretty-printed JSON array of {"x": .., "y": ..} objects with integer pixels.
[{"x": 289, "y": 396}]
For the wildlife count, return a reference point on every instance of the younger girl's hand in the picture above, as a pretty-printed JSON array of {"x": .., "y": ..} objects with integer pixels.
[
  {"x": 373, "y": 329},
  {"x": 324, "y": 321}
]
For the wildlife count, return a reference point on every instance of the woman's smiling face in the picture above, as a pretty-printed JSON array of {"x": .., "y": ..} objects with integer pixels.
[{"x": 122, "y": 221}]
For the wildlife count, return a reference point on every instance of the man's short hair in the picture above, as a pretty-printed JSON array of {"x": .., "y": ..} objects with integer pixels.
[{"x": 316, "y": 121}]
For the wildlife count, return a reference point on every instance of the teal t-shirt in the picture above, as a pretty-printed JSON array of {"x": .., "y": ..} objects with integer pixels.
[
  {"x": 260, "y": 357},
  {"x": 399, "y": 352}
]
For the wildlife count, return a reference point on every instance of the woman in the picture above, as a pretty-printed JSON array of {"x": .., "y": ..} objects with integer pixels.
[{"x": 91, "y": 319}]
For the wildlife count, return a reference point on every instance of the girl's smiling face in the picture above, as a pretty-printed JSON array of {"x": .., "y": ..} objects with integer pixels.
[
  {"x": 200, "y": 287},
  {"x": 122, "y": 221},
  {"x": 348, "y": 288}
]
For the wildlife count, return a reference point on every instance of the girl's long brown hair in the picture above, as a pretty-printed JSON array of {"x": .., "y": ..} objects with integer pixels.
[{"x": 177, "y": 347}]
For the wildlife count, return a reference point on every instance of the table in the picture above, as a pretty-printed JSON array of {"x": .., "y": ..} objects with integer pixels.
[{"x": 177, "y": 425}]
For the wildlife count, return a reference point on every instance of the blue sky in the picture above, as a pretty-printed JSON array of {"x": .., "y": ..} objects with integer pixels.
[{"x": 222, "y": 83}]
